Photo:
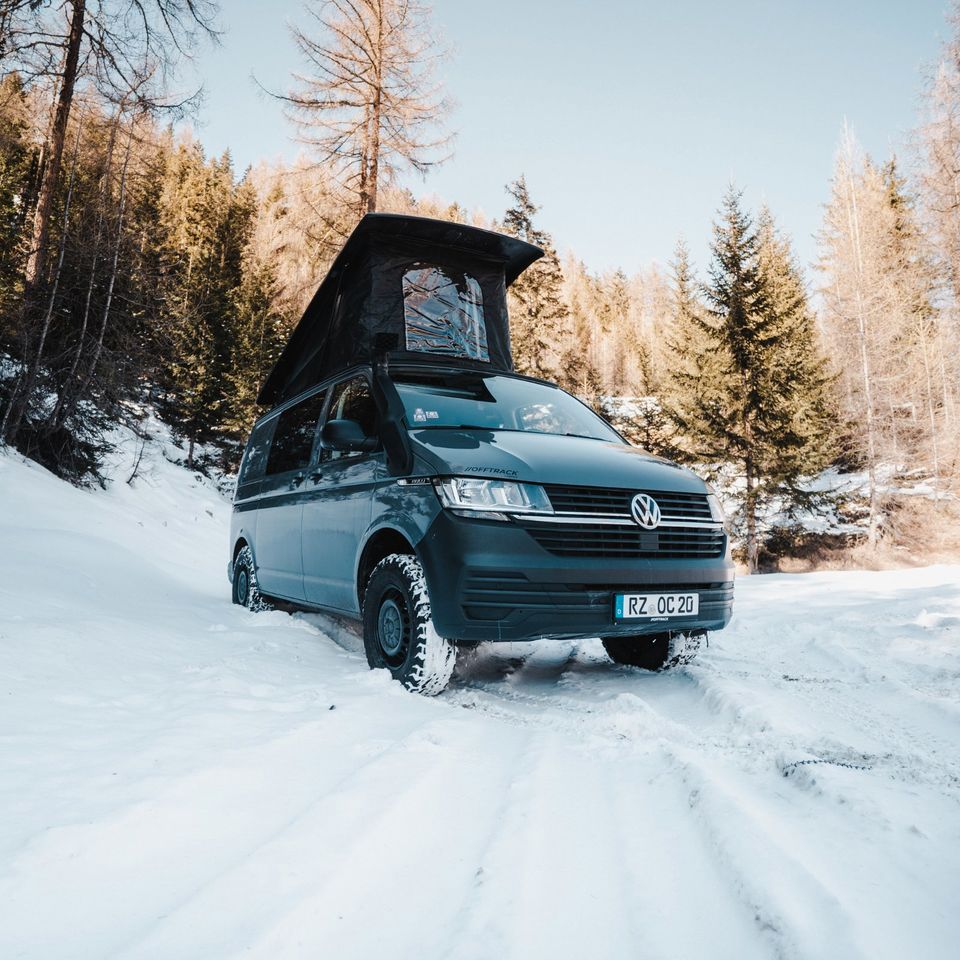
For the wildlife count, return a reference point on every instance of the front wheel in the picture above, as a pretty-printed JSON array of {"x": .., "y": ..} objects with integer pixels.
[
  {"x": 398, "y": 631},
  {"x": 655, "y": 651}
]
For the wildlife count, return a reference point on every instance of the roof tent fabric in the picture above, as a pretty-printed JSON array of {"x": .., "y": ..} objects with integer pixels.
[{"x": 409, "y": 285}]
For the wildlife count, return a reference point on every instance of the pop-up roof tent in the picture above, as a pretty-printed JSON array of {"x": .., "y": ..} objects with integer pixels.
[{"x": 405, "y": 285}]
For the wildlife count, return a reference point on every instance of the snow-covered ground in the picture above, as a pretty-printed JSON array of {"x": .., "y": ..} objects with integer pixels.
[{"x": 180, "y": 778}]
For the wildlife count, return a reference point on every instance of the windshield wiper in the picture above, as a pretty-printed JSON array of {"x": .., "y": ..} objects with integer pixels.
[{"x": 453, "y": 426}]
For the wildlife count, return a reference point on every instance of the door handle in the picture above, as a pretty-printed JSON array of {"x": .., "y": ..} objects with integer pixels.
[
  {"x": 297, "y": 480},
  {"x": 316, "y": 475}
]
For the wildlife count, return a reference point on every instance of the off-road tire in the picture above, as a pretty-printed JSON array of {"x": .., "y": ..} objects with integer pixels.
[
  {"x": 655, "y": 651},
  {"x": 246, "y": 589},
  {"x": 398, "y": 631}
]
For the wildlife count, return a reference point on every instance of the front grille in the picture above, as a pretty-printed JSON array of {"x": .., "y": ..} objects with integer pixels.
[
  {"x": 673, "y": 506},
  {"x": 619, "y": 541}
]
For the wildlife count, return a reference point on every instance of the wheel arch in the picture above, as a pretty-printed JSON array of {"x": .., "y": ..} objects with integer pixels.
[
  {"x": 241, "y": 541},
  {"x": 381, "y": 543}
]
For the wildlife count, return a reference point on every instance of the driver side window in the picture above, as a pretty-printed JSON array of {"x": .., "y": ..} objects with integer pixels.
[{"x": 352, "y": 400}]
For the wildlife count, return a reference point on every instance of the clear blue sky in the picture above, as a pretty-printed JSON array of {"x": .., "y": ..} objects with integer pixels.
[{"x": 628, "y": 118}]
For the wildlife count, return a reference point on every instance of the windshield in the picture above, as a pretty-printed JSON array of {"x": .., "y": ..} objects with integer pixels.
[{"x": 477, "y": 401}]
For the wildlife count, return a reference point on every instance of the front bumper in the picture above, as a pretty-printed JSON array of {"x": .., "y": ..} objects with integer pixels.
[{"x": 506, "y": 587}]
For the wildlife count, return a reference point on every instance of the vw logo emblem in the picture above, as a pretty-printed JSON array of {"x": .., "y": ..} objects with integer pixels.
[{"x": 645, "y": 510}]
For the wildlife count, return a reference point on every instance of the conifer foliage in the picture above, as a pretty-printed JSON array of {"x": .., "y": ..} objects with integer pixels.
[
  {"x": 207, "y": 221},
  {"x": 538, "y": 313},
  {"x": 755, "y": 395}
]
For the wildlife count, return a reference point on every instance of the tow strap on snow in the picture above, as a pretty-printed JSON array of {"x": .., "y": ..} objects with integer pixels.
[{"x": 790, "y": 767}]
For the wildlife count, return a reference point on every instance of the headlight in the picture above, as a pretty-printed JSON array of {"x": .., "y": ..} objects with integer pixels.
[
  {"x": 716, "y": 510},
  {"x": 490, "y": 499}
]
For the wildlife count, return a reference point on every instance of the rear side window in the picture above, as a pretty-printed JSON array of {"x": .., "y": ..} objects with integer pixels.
[
  {"x": 258, "y": 446},
  {"x": 293, "y": 438}
]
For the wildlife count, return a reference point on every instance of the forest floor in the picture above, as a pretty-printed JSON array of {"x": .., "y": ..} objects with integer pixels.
[{"x": 181, "y": 778}]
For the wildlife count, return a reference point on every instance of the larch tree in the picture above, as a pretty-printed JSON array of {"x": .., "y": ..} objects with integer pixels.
[
  {"x": 886, "y": 317},
  {"x": 854, "y": 310},
  {"x": 926, "y": 387},
  {"x": 938, "y": 214},
  {"x": 613, "y": 317},
  {"x": 367, "y": 102},
  {"x": 577, "y": 371},
  {"x": 938, "y": 140}
]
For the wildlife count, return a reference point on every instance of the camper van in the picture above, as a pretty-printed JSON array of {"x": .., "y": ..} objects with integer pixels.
[{"x": 407, "y": 478}]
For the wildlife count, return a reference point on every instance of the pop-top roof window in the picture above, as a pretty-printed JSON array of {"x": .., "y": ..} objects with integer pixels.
[{"x": 443, "y": 312}]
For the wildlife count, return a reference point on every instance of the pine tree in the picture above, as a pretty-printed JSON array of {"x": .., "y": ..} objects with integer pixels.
[
  {"x": 16, "y": 160},
  {"x": 694, "y": 392},
  {"x": 749, "y": 364},
  {"x": 798, "y": 376},
  {"x": 260, "y": 330},
  {"x": 538, "y": 313},
  {"x": 208, "y": 222}
]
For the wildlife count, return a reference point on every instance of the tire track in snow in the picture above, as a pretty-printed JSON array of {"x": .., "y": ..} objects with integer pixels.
[
  {"x": 728, "y": 750},
  {"x": 546, "y": 886},
  {"x": 798, "y": 914},
  {"x": 310, "y": 883},
  {"x": 198, "y": 826}
]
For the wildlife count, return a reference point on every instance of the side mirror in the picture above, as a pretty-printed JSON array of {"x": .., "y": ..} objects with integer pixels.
[{"x": 346, "y": 436}]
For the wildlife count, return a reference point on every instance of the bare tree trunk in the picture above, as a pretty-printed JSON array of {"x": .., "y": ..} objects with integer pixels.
[
  {"x": 376, "y": 117},
  {"x": 56, "y": 416},
  {"x": 946, "y": 396},
  {"x": 931, "y": 414},
  {"x": 365, "y": 168},
  {"x": 37, "y": 261},
  {"x": 854, "y": 222},
  {"x": 98, "y": 348},
  {"x": 750, "y": 500},
  {"x": 137, "y": 462},
  {"x": 20, "y": 399}
]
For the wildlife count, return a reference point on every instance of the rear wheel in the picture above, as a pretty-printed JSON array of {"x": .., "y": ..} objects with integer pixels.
[
  {"x": 398, "y": 631},
  {"x": 655, "y": 651},
  {"x": 246, "y": 590}
]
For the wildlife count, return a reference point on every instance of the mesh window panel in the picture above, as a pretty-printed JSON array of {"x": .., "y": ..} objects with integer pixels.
[{"x": 444, "y": 314}]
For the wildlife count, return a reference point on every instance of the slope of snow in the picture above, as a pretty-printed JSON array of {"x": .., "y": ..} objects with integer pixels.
[{"x": 180, "y": 778}]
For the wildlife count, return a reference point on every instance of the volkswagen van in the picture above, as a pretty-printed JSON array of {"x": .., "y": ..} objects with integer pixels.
[{"x": 406, "y": 477}]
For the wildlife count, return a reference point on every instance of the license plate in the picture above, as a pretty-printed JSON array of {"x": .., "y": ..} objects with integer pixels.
[{"x": 655, "y": 606}]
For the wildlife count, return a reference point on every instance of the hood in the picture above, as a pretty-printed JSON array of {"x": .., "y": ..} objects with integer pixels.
[{"x": 549, "y": 458}]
